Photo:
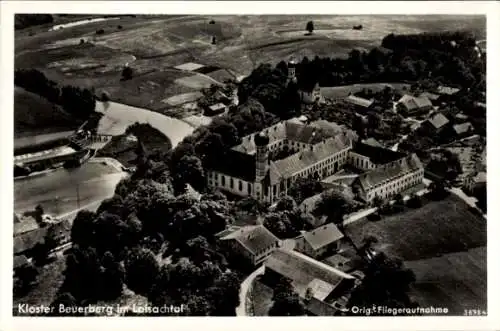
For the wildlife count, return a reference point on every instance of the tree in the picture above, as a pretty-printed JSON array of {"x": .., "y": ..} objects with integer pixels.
[
  {"x": 304, "y": 188},
  {"x": 127, "y": 73},
  {"x": 64, "y": 299},
  {"x": 386, "y": 283},
  {"x": 438, "y": 190},
  {"x": 310, "y": 27},
  {"x": 25, "y": 277},
  {"x": 334, "y": 206},
  {"x": 190, "y": 171},
  {"x": 141, "y": 270},
  {"x": 113, "y": 277},
  {"x": 224, "y": 294},
  {"x": 414, "y": 202},
  {"x": 279, "y": 224},
  {"x": 39, "y": 214},
  {"x": 83, "y": 274},
  {"x": 286, "y": 203},
  {"x": 286, "y": 301}
]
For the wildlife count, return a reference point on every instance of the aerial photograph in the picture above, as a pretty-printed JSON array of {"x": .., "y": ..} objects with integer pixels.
[{"x": 249, "y": 165}]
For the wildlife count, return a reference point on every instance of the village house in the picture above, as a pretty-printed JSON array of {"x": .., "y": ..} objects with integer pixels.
[
  {"x": 361, "y": 105},
  {"x": 435, "y": 124},
  {"x": 474, "y": 181},
  {"x": 319, "y": 242},
  {"x": 253, "y": 243},
  {"x": 323, "y": 288},
  {"x": 463, "y": 130},
  {"x": 447, "y": 90},
  {"x": 389, "y": 179},
  {"x": 409, "y": 105},
  {"x": 434, "y": 98},
  {"x": 216, "y": 109},
  {"x": 311, "y": 93}
]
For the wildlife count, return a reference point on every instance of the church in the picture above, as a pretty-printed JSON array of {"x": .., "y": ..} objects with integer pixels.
[{"x": 266, "y": 164}]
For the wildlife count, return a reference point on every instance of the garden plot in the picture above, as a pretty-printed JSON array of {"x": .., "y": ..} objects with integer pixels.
[{"x": 196, "y": 82}]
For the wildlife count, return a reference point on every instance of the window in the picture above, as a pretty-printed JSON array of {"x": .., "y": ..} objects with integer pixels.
[
  {"x": 240, "y": 185},
  {"x": 223, "y": 180},
  {"x": 231, "y": 182},
  {"x": 249, "y": 188}
]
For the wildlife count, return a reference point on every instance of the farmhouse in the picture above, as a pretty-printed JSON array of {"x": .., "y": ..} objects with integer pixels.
[
  {"x": 311, "y": 93},
  {"x": 360, "y": 104},
  {"x": 247, "y": 169},
  {"x": 412, "y": 106},
  {"x": 463, "y": 129},
  {"x": 320, "y": 241},
  {"x": 216, "y": 109},
  {"x": 474, "y": 181},
  {"x": 321, "y": 286},
  {"x": 434, "y": 98},
  {"x": 446, "y": 90},
  {"x": 253, "y": 243},
  {"x": 435, "y": 124}
]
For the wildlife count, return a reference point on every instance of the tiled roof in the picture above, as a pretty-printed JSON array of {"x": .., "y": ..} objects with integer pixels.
[
  {"x": 20, "y": 260},
  {"x": 438, "y": 120},
  {"x": 296, "y": 162},
  {"x": 447, "y": 90},
  {"x": 24, "y": 224},
  {"x": 292, "y": 130},
  {"x": 413, "y": 103},
  {"x": 320, "y": 289},
  {"x": 372, "y": 142},
  {"x": 377, "y": 155},
  {"x": 237, "y": 164},
  {"x": 359, "y": 101},
  {"x": 302, "y": 269},
  {"x": 217, "y": 106},
  {"x": 389, "y": 171},
  {"x": 430, "y": 96},
  {"x": 27, "y": 240},
  {"x": 254, "y": 238},
  {"x": 322, "y": 236},
  {"x": 463, "y": 128},
  {"x": 311, "y": 202}
]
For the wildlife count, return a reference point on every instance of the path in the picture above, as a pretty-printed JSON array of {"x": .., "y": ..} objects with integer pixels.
[{"x": 245, "y": 286}]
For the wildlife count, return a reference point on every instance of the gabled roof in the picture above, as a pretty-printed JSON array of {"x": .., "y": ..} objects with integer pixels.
[
  {"x": 372, "y": 142},
  {"x": 438, "y": 120},
  {"x": 310, "y": 156},
  {"x": 430, "y": 96},
  {"x": 237, "y": 164},
  {"x": 323, "y": 236},
  {"x": 414, "y": 103},
  {"x": 217, "y": 106},
  {"x": 253, "y": 238},
  {"x": 358, "y": 101},
  {"x": 463, "y": 128},
  {"x": 376, "y": 176},
  {"x": 447, "y": 90}
]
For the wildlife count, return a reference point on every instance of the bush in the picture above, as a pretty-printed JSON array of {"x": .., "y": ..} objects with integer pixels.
[
  {"x": 100, "y": 31},
  {"x": 414, "y": 202},
  {"x": 127, "y": 73},
  {"x": 119, "y": 27}
]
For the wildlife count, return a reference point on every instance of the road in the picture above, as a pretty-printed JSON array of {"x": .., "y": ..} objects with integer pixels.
[{"x": 245, "y": 286}]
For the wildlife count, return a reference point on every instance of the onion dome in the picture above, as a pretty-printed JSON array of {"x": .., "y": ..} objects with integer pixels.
[{"x": 261, "y": 139}]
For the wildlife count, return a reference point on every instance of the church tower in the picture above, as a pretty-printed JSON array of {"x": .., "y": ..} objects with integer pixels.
[{"x": 261, "y": 156}]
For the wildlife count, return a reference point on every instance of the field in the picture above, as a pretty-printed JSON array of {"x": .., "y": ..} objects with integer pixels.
[
  {"x": 456, "y": 281},
  {"x": 438, "y": 227},
  {"x": 340, "y": 92},
  {"x": 154, "y": 45},
  {"x": 36, "y": 116},
  {"x": 58, "y": 191}
]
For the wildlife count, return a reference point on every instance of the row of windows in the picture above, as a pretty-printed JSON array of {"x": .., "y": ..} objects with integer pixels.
[
  {"x": 404, "y": 180},
  {"x": 396, "y": 187},
  {"x": 231, "y": 183}
]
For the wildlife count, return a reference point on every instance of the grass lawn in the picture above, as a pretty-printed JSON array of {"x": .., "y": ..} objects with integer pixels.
[
  {"x": 438, "y": 227},
  {"x": 261, "y": 298},
  {"x": 34, "y": 115},
  {"x": 343, "y": 91},
  {"x": 456, "y": 281}
]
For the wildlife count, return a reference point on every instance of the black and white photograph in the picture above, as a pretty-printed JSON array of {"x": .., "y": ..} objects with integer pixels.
[{"x": 249, "y": 165}]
